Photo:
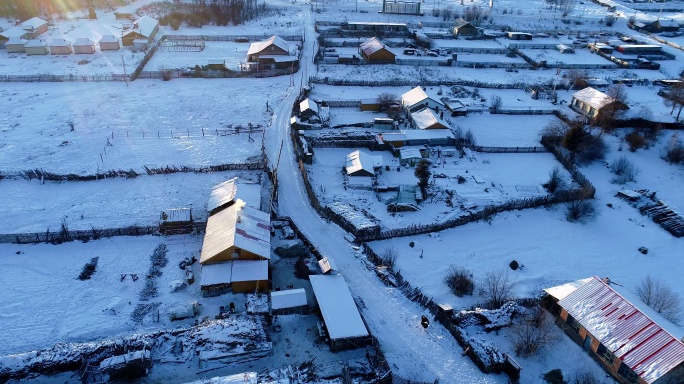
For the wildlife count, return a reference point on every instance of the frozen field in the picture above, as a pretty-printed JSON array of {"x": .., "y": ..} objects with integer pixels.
[
  {"x": 580, "y": 57},
  {"x": 505, "y": 130},
  {"x": 233, "y": 54}
]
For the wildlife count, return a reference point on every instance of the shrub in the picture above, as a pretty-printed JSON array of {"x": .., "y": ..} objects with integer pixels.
[
  {"x": 635, "y": 141},
  {"x": 554, "y": 376},
  {"x": 460, "y": 280},
  {"x": 580, "y": 211},
  {"x": 88, "y": 269},
  {"x": 584, "y": 376},
  {"x": 514, "y": 265},
  {"x": 555, "y": 180},
  {"x": 624, "y": 170},
  {"x": 389, "y": 256},
  {"x": 291, "y": 252},
  {"x": 675, "y": 154}
]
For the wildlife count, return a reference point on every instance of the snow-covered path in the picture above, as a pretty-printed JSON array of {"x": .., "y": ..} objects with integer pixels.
[{"x": 413, "y": 352}]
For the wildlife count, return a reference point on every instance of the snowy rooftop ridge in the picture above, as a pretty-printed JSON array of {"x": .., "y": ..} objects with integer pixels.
[
  {"x": 341, "y": 316},
  {"x": 642, "y": 344},
  {"x": 144, "y": 26},
  {"x": 359, "y": 160},
  {"x": 426, "y": 119},
  {"x": 593, "y": 97},
  {"x": 261, "y": 45},
  {"x": 371, "y": 46},
  {"x": 222, "y": 194}
]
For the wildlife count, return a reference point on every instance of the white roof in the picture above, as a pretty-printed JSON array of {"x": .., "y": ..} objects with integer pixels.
[
  {"x": 425, "y": 118},
  {"x": 341, "y": 316},
  {"x": 239, "y": 378},
  {"x": 177, "y": 214},
  {"x": 414, "y": 96},
  {"x": 261, "y": 45},
  {"x": 34, "y": 23},
  {"x": 249, "y": 270},
  {"x": 593, "y": 97},
  {"x": 83, "y": 41},
  {"x": 288, "y": 299},
  {"x": 308, "y": 104},
  {"x": 219, "y": 273},
  {"x": 416, "y": 134},
  {"x": 35, "y": 43},
  {"x": 372, "y": 45},
  {"x": 15, "y": 41},
  {"x": 17, "y": 31},
  {"x": 409, "y": 153},
  {"x": 668, "y": 23},
  {"x": 222, "y": 193},
  {"x": 561, "y": 291},
  {"x": 359, "y": 160},
  {"x": 59, "y": 43},
  {"x": 327, "y": 265},
  {"x": 144, "y": 26},
  {"x": 109, "y": 39}
]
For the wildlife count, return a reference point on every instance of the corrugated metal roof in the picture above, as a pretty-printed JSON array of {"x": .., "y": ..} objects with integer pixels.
[
  {"x": 222, "y": 194},
  {"x": 644, "y": 346}
]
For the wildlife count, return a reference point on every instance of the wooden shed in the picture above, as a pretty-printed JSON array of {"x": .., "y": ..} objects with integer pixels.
[
  {"x": 291, "y": 301},
  {"x": 373, "y": 51},
  {"x": 60, "y": 47},
  {"x": 83, "y": 45},
  {"x": 465, "y": 29},
  {"x": 15, "y": 45},
  {"x": 176, "y": 221},
  {"x": 36, "y": 47},
  {"x": 109, "y": 43},
  {"x": 308, "y": 109}
]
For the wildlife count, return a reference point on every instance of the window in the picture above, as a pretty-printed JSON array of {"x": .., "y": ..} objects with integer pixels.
[
  {"x": 605, "y": 354},
  {"x": 627, "y": 373},
  {"x": 573, "y": 323}
]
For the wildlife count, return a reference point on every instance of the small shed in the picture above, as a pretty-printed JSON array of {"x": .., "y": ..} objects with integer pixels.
[
  {"x": 15, "y": 45},
  {"x": 216, "y": 278},
  {"x": 291, "y": 301},
  {"x": 60, "y": 47},
  {"x": 109, "y": 43},
  {"x": 519, "y": 36},
  {"x": 249, "y": 276},
  {"x": 176, "y": 221},
  {"x": 600, "y": 47},
  {"x": 370, "y": 105},
  {"x": 216, "y": 65},
  {"x": 127, "y": 366},
  {"x": 409, "y": 156},
  {"x": 307, "y": 109},
  {"x": 383, "y": 123},
  {"x": 360, "y": 163},
  {"x": 562, "y": 48},
  {"x": 465, "y": 29},
  {"x": 36, "y": 47},
  {"x": 373, "y": 51},
  {"x": 84, "y": 45},
  {"x": 427, "y": 119}
]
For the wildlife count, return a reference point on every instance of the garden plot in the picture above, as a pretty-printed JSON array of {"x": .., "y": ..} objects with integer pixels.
[
  {"x": 84, "y": 127},
  {"x": 455, "y": 44},
  {"x": 488, "y": 179},
  {"x": 581, "y": 57},
  {"x": 348, "y": 116},
  {"x": 32, "y": 206},
  {"x": 230, "y": 52},
  {"x": 505, "y": 130},
  {"x": 485, "y": 58}
]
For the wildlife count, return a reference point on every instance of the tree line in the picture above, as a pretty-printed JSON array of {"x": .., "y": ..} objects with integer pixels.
[{"x": 24, "y": 10}]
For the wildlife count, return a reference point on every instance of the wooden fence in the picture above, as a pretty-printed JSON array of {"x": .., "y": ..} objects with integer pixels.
[
  {"x": 61, "y": 236},
  {"x": 62, "y": 78},
  {"x": 529, "y": 111},
  {"x": 413, "y": 82},
  {"x": 231, "y": 37},
  {"x": 479, "y": 148}
]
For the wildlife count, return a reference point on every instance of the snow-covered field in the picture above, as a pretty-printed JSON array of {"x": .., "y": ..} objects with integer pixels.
[
  {"x": 504, "y": 130},
  {"x": 230, "y": 52}
]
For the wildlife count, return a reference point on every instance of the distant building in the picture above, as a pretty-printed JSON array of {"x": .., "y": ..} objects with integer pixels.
[
  {"x": 308, "y": 109},
  {"x": 360, "y": 163},
  {"x": 630, "y": 341},
  {"x": 519, "y": 36},
  {"x": 273, "y": 46},
  {"x": 592, "y": 103},
  {"x": 376, "y": 27},
  {"x": 216, "y": 64},
  {"x": 291, "y": 301},
  {"x": 416, "y": 99},
  {"x": 176, "y": 221},
  {"x": 109, "y": 43},
  {"x": 665, "y": 26},
  {"x": 36, "y": 47},
  {"x": 15, "y": 45},
  {"x": 427, "y": 119},
  {"x": 401, "y": 7},
  {"x": 28, "y": 30},
  {"x": 83, "y": 45},
  {"x": 373, "y": 51},
  {"x": 144, "y": 29},
  {"x": 465, "y": 29},
  {"x": 60, "y": 47}
]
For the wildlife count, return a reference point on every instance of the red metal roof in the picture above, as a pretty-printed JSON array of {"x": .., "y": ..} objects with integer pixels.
[{"x": 645, "y": 347}]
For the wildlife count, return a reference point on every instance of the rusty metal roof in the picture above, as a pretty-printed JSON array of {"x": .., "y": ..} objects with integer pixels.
[{"x": 643, "y": 345}]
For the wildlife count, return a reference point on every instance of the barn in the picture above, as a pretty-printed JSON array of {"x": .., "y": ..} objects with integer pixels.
[
  {"x": 109, "y": 43},
  {"x": 373, "y": 51},
  {"x": 15, "y": 45},
  {"x": 427, "y": 119},
  {"x": 144, "y": 29},
  {"x": 83, "y": 45},
  {"x": 291, "y": 301},
  {"x": 360, "y": 163},
  {"x": 36, "y": 47},
  {"x": 465, "y": 29},
  {"x": 273, "y": 46},
  {"x": 631, "y": 341},
  {"x": 344, "y": 327}
]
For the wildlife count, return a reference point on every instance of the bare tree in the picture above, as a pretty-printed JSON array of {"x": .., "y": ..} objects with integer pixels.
[
  {"x": 584, "y": 376},
  {"x": 674, "y": 98},
  {"x": 613, "y": 111},
  {"x": 495, "y": 103},
  {"x": 386, "y": 100},
  {"x": 496, "y": 287},
  {"x": 555, "y": 180},
  {"x": 447, "y": 12},
  {"x": 460, "y": 280},
  {"x": 580, "y": 211},
  {"x": 535, "y": 331},
  {"x": 660, "y": 297},
  {"x": 577, "y": 78},
  {"x": 624, "y": 170},
  {"x": 389, "y": 256}
]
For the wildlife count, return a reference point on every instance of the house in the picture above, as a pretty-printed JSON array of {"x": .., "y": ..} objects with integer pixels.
[
  {"x": 83, "y": 45},
  {"x": 359, "y": 163},
  {"x": 416, "y": 99},
  {"x": 109, "y": 43},
  {"x": 36, "y": 47},
  {"x": 663, "y": 26},
  {"x": 15, "y": 45},
  {"x": 592, "y": 104},
  {"x": 409, "y": 156},
  {"x": 60, "y": 47},
  {"x": 427, "y": 119},
  {"x": 631, "y": 341},
  {"x": 519, "y": 36},
  {"x": 126, "y": 12},
  {"x": 308, "y": 109},
  {"x": 373, "y": 51},
  {"x": 344, "y": 326},
  {"x": 176, "y": 221},
  {"x": 465, "y": 29},
  {"x": 273, "y": 46},
  {"x": 34, "y": 27},
  {"x": 144, "y": 29},
  {"x": 291, "y": 301}
]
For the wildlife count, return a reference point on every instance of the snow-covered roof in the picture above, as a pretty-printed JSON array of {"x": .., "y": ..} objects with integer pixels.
[
  {"x": 414, "y": 96},
  {"x": 143, "y": 26},
  {"x": 461, "y": 23},
  {"x": 15, "y": 41},
  {"x": 327, "y": 265},
  {"x": 629, "y": 333},
  {"x": 359, "y": 160},
  {"x": 35, "y": 43},
  {"x": 109, "y": 39},
  {"x": 668, "y": 23},
  {"x": 371, "y": 46},
  {"x": 261, "y": 45},
  {"x": 219, "y": 273},
  {"x": 249, "y": 270},
  {"x": 33, "y": 23},
  {"x": 288, "y": 299},
  {"x": 425, "y": 119},
  {"x": 83, "y": 42},
  {"x": 17, "y": 31},
  {"x": 308, "y": 104},
  {"x": 176, "y": 215},
  {"x": 592, "y": 97},
  {"x": 239, "y": 378},
  {"x": 341, "y": 316},
  {"x": 222, "y": 194},
  {"x": 239, "y": 226},
  {"x": 418, "y": 134},
  {"x": 60, "y": 43},
  {"x": 563, "y": 290},
  {"x": 409, "y": 153}
]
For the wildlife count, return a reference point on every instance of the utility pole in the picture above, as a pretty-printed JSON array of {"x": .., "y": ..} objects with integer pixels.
[{"x": 124, "y": 70}]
